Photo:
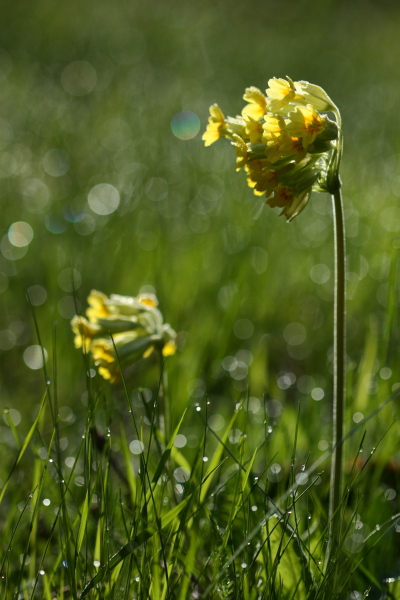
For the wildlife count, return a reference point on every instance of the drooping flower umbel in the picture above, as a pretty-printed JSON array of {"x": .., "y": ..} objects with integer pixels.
[
  {"x": 132, "y": 326},
  {"x": 285, "y": 142}
]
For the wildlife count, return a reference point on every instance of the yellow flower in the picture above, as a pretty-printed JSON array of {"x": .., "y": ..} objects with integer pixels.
[
  {"x": 253, "y": 129},
  {"x": 98, "y": 309},
  {"x": 105, "y": 359},
  {"x": 283, "y": 196},
  {"x": 274, "y": 136},
  {"x": 280, "y": 93},
  {"x": 216, "y": 123},
  {"x": 169, "y": 349},
  {"x": 84, "y": 332},
  {"x": 257, "y": 104},
  {"x": 305, "y": 123},
  {"x": 241, "y": 151},
  {"x": 287, "y": 147},
  {"x": 261, "y": 177},
  {"x": 292, "y": 148},
  {"x": 149, "y": 299},
  {"x": 135, "y": 324}
]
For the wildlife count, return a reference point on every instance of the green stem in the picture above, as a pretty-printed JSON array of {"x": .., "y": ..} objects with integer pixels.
[{"x": 339, "y": 373}]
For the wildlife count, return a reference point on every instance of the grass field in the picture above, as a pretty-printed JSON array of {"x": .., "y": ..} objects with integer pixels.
[{"x": 208, "y": 476}]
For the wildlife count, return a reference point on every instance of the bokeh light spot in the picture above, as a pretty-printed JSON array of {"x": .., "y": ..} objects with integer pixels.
[
  {"x": 56, "y": 162},
  {"x": 295, "y": 334},
  {"x": 7, "y": 339},
  {"x": 13, "y": 414},
  {"x": 37, "y": 295},
  {"x": 156, "y": 189},
  {"x": 136, "y": 447},
  {"x": 33, "y": 357},
  {"x": 320, "y": 273},
  {"x": 103, "y": 199},
  {"x": 185, "y": 125},
  {"x": 216, "y": 422},
  {"x": 79, "y": 78},
  {"x": 180, "y": 441},
  {"x": 67, "y": 307},
  {"x": 69, "y": 280},
  {"x": 243, "y": 329},
  {"x": 11, "y": 252},
  {"x": 86, "y": 226},
  {"x": 36, "y": 195},
  {"x": 55, "y": 225},
  {"x": 20, "y": 234},
  {"x": 182, "y": 474}
]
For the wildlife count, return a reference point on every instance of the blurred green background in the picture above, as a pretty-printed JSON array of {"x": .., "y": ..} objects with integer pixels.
[{"x": 94, "y": 180}]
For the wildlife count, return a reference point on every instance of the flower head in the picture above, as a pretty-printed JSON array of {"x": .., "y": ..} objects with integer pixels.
[
  {"x": 287, "y": 146},
  {"x": 216, "y": 123},
  {"x": 120, "y": 330}
]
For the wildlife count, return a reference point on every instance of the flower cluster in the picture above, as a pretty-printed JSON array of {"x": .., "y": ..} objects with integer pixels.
[
  {"x": 130, "y": 327},
  {"x": 286, "y": 144}
]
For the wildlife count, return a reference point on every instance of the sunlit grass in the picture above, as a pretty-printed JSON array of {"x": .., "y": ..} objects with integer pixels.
[{"x": 112, "y": 509}]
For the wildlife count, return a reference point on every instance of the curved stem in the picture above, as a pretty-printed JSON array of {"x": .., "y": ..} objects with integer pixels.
[{"x": 339, "y": 373}]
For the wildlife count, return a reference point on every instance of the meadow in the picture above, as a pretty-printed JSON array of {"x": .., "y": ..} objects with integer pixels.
[{"x": 205, "y": 475}]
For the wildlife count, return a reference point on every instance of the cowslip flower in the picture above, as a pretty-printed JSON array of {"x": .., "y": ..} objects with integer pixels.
[
  {"x": 284, "y": 141},
  {"x": 120, "y": 330}
]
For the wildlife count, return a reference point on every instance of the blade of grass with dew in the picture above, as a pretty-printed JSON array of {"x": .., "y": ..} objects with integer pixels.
[
  {"x": 167, "y": 451},
  {"x": 188, "y": 566},
  {"x": 128, "y": 465},
  {"x": 366, "y": 370},
  {"x": 11, "y": 425},
  {"x": 217, "y": 455},
  {"x": 83, "y": 513},
  {"x": 236, "y": 502},
  {"x": 37, "y": 485},
  {"x": 24, "y": 446},
  {"x": 46, "y": 588},
  {"x": 287, "y": 564}
]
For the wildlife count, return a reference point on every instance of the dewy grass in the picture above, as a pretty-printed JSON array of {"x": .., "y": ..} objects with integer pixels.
[
  {"x": 289, "y": 148},
  {"x": 165, "y": 525}
]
